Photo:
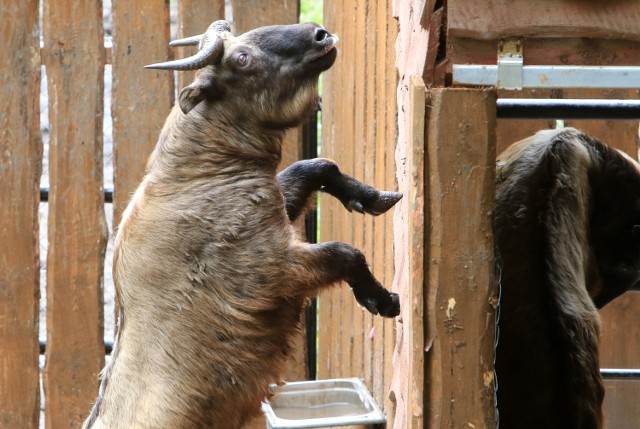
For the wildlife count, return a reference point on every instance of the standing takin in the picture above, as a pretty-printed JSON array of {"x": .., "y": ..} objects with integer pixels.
[
  {"x": 567, "y": 227},
  {"x": 210, "y": 278}
]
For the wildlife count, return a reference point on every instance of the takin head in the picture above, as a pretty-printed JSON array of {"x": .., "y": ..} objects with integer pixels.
[{"x": 269, "y": 74}]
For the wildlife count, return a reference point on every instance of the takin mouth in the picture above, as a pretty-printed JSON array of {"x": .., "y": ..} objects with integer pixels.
[{"x": 325, "y": 59}]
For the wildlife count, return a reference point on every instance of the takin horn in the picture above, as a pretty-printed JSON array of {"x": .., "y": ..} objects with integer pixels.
[{"x": 210, "y": 50}]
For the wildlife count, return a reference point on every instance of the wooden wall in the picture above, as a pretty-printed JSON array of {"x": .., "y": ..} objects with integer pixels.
[{"x": 359, "y": 131}]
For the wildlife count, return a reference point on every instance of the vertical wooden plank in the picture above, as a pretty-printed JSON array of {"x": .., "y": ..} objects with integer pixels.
[
  {"x": 620, "y": 348},
  {"x": 347, "y": 146},
  {"x": 392, "y": 112},
  {"x": 194, "y": 16},
  {"x": 250, "y": 14},
  {"x": 141, "y": 98},
  {"x": 330, "y": 83},
  {"x": 369, "y": 160},
  {"x": 73, "y": 40},
  {"x": 461, "y": 283},
  {"x": 383, "y": 102},
  {"x": 411, "y": 55},
  {"x": 20, "y": 169}
]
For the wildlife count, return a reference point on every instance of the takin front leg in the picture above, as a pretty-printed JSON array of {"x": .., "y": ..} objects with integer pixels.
[
  {"x": 327, "y": 263},
  {"x": 302, "y": 179}
]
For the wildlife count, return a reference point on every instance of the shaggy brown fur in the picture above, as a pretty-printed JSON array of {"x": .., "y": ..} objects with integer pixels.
[
  {"x": 566, "y": 223},
  {"x": 210, "y": 277}
]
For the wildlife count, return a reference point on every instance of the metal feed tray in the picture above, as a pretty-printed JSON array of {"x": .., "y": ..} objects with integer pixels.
[{"x": 322, "y": 403}]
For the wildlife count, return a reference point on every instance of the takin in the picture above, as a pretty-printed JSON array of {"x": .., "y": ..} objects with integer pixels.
[
  {"x": 210, "y": 277},
  {"x": 567, "y": 227}
]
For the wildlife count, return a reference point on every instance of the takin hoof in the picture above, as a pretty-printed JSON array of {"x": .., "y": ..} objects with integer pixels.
[
  {"x": 388, "y": 306},
  {"x": 375, "y": 206}
]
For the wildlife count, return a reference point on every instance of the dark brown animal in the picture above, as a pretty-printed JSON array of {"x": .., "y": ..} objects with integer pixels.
[
  {"x": 567, "y": 227},
  {"x": 210, "y": 277}
]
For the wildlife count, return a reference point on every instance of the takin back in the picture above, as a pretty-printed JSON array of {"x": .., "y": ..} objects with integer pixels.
[{"x": 210, "y": 277}]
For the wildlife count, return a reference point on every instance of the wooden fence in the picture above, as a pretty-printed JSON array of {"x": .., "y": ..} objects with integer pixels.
[{"x": 379, "y": 124}]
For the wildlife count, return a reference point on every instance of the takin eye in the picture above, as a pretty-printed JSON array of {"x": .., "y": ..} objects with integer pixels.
[{"x": 242, "y": 59}]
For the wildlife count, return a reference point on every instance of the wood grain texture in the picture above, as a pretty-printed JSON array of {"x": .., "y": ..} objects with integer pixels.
[
  {"x": 493, "y": 19},
  {"x": 620, "y": 348},
  {"x": 20, "y": 169},
  {"x": 141, "y": 98},
  {"x": 359, "y": 132},
  {"x": 549, "y": 51},
  {"x": 412, "y": 59},
  {"x": 461, "y": 284},
  {"x": 194, "y": 17},
  {"x": 249, "y": 14},
  {"x": 77, "y": 228}
]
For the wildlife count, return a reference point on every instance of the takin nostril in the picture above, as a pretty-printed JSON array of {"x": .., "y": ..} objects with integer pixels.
[{"x": 321, "y": 35}]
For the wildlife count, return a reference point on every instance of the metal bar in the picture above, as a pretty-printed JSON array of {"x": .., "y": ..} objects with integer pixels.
[
  {"x": 620, "y": 374},
  {"x": 108, "y": 347},
  {"x": 552, "y": 76},
  {"x": 44, "y": 195},
  {"x": 532, "y": 108}
]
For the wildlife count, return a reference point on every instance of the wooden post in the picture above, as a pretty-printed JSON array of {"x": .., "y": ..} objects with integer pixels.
[
  {"x": 74, "y": 59},
  {"x": 461, "y": 290},
  {"x": 194, "y": 16},
  {"x": 20, "y": 169},
  {"x": 141, "y": 98}
]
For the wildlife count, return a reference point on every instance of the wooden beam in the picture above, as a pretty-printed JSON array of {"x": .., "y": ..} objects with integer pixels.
[
  {"x": 141, "y": 98},
  {"x": 492, "y": 19},
  {"x": 461, "y": 286},
  {"x": 77, "y": 226},
  {"x": 194, "y": 16},
  {"x": 20, "y": 167}
]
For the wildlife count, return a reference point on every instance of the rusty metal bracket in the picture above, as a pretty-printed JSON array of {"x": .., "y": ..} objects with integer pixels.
[{"x": 510, "y": 63}]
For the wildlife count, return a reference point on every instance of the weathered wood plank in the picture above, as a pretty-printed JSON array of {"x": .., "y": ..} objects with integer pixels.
[
  {"x": 492, "y": 19},
  {"x": 370, "y": 155},
  {"x": 412, "y": 57},
  {"x": 249, "y": 14},
  {"x": 549, "y": 51},
  {"x": 20, "y": 169},
  {"x": 382, "y": 331},
  {"x": 329, "y": 78},
  {"x": 77, "y": 227},
  {"x": 194, "y": 16},
  {"x": 141, "y": 98},
  {"x": 391, "y": 132},
  {"x": 620, "y": 348},
  {"x": 461, "y": 283}
]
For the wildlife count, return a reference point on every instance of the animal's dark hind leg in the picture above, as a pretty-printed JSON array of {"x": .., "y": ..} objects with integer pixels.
[
  {"x": 330, "y": 262},
  {"x": 301, "y": 179}
]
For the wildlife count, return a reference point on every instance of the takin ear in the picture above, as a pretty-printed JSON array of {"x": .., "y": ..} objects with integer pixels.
[
  {"x": 204, "y": 87},
  {"x": 191, "y": 95}
]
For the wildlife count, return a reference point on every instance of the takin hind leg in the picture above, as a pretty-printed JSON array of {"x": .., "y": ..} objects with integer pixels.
[
  {"x": 302, "y": 179},
  {"x": 321, "y": 265}
]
